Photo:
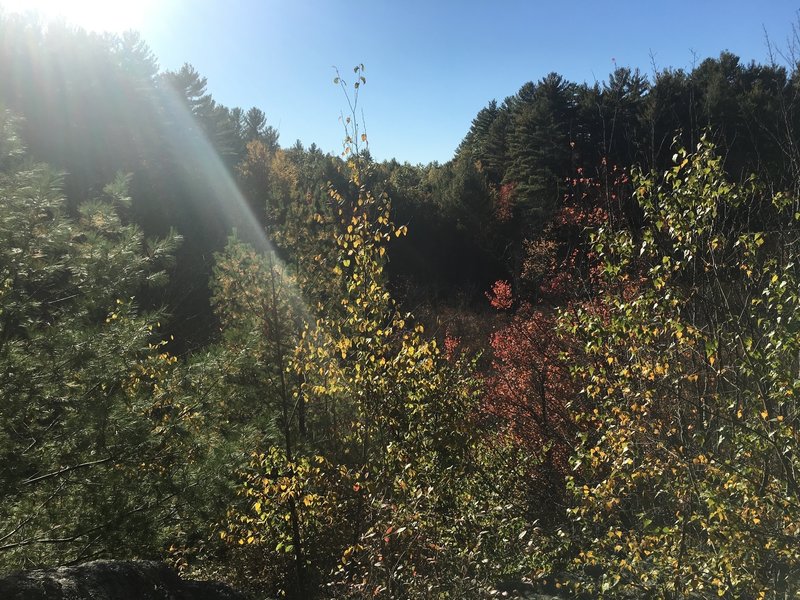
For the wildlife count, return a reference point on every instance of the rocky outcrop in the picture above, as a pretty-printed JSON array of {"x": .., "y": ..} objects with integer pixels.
[{"x": 111, "y": 580}]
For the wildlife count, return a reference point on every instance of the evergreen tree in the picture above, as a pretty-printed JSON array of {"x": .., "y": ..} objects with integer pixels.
[
  {"x": 621, "y": 108},
  {"x": 473, "y": 146},
  {"x": 256, "y": 128},
  {"x": 539, "y": 153},
  {"x": 91, "y": 453}
]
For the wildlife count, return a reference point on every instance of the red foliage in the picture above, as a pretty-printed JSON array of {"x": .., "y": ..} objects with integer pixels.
[
  {"x": 501, "y": 297},
  {"x": 451, "y": 346},
  {"x": 504, "y": 204},
  {"x": 530, "y": 390},
  {"x": 560, "y": 266}
]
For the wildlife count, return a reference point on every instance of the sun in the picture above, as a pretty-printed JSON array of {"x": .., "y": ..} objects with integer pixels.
[{"x": 113, "y": 16}]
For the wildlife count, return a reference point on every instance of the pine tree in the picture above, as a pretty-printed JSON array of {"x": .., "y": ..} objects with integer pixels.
[
  {"x": 89, "y": 458},
  {"x": 473, "y": 146}
]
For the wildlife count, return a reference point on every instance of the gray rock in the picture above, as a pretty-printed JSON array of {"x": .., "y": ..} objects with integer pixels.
[{"x": 111, "y": 580}]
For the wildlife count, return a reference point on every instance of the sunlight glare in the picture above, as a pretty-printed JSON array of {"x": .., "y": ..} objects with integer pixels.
[{"x": 114, "y": 16}]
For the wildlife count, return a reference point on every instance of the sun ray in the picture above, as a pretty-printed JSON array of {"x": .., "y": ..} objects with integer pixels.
[{"x": 92, "y": 15}]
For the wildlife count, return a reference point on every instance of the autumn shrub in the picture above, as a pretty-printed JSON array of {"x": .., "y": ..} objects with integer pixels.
[
  {"x": 685, "y": 481},
  {"x": 376, "y": 480}
]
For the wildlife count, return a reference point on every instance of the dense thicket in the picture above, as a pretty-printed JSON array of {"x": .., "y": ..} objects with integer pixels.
[{"x": 213, "y": 357}]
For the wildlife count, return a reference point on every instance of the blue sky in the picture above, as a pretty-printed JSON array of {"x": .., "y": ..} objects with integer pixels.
[{"x": 430, "y": 66}]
